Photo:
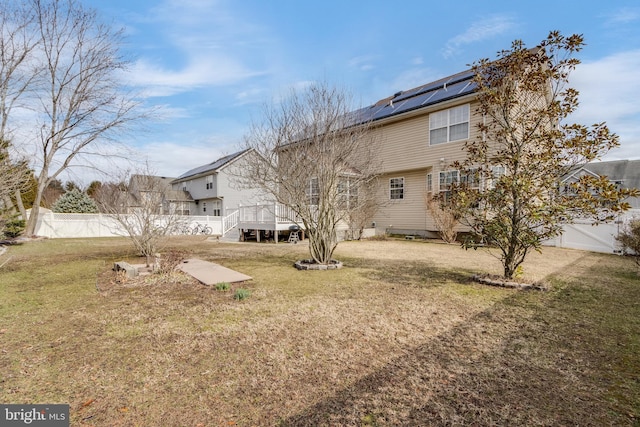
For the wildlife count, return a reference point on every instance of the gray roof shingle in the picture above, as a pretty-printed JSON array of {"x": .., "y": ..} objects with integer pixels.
[{"x": 211, "y": 167}]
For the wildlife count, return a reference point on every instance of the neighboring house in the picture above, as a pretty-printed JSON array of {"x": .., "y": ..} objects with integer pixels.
[
  {"x": 157, "y": 189},
  {"x": 624, "y": 173},
  {"x": 423, "y": 130},
  {"x": 212, "y": 187}
]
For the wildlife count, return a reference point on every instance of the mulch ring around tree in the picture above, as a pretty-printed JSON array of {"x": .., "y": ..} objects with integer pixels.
[
  {"x": 492, "y": 280},
  {"x": 309, "y": 264}
]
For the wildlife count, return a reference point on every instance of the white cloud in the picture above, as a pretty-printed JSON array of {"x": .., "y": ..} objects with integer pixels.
[
  {"x": 623, "y": 16},
  {"x": 481, "y": 30},
  {"x": 252, "y": 96},
  {"x": 363, "y": 62},
  {"x": 609, "y": 91},
  {"x": 200, "y": 44},
  {"x": 198, "y": 72}
]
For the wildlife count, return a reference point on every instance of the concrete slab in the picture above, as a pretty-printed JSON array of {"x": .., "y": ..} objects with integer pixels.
[{"x": 210, "y": 273}]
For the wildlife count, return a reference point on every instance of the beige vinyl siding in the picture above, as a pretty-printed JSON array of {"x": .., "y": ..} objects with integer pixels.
[
  {"x": 405, "y": 143},
  {"x": 408, "y": 213},
  {"x": 406, "y": 153}
]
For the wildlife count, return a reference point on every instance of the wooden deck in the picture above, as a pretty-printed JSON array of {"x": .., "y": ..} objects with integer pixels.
[{"x": 267, "y": 221}]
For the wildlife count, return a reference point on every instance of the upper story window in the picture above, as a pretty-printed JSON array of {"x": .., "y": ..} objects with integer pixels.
[
  {"x": 209, "y": 182},
  {"x": 396, "y": 188},
  {"x": 449, "y": 125}
]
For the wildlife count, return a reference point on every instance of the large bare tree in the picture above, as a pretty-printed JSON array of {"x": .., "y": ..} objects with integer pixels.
[
  {"x": 317, "y": 158},
  {"x": 17, "y": 74},
  {"x": 77, "y": 96},
  {"x": 512, "y": 196}
]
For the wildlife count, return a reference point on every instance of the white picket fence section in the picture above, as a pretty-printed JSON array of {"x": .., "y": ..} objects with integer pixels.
[{"x": 66, "y": 225}]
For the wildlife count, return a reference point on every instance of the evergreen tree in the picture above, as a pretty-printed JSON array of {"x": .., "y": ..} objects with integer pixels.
[{"x": 75, "y": 201}]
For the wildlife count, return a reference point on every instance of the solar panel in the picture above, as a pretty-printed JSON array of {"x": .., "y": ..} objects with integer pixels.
[
  {"x": 448, "y": 88},
  {"x": 466, "y": 75}
]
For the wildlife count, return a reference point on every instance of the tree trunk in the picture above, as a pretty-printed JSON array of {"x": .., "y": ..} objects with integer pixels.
[
  {"x": 20, "y": 205},
  {"x": 30, "y": 228}
]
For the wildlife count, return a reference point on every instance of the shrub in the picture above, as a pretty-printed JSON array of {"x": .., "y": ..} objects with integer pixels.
[
  {"x": 379, "y": 237},
  {"x": 224, "y": 286},
  {"x": 13, "y": 227},
  {"x": 445, "y": 218},
  {"x": 169, "y": 261},
  {"x": 629, "y": 238},
  {"x": 241, "y": 294}
]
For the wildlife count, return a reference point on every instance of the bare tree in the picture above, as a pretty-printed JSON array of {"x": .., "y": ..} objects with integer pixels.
[
  {"x": 138, "y": 203},
  {"x": 17, "y": 74},
  {"x": 318, "y": 159},
  {"x": 80, "y": 102}
]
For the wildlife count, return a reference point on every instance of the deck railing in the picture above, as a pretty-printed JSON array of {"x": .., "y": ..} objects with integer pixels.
[
  {"x": 267, "y": 214},
  {"x": 230, "y": 221}
]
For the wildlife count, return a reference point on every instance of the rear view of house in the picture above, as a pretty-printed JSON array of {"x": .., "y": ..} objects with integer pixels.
[
  {"x": 213, "y": 189},
  {"x": 423, "y": 131}
]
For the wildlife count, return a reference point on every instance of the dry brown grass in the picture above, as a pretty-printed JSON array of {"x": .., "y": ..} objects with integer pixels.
[{"x": 400, "y": 336}]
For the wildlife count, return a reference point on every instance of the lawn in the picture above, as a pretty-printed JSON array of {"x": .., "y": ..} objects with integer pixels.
[{"x": 400, "y": 336}]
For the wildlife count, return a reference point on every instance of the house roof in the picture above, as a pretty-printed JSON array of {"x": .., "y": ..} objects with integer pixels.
[
  {"x": 214, "y": 166},
  {"x": 441, "y": 90},
  {"x": 150, "y": 183},
  {"x": 627, "y": 172}
]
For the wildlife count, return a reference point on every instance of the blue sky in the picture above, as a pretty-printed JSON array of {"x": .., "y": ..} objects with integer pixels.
[{"x": 211, "y": 64}]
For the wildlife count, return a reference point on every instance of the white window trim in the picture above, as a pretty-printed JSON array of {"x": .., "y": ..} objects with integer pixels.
[
  {"x": 449, "y": 171},
  {"x": 450, "y": 124},
  {"x": 216, "y": 207},
  {"x": 311, "y": 194},
  {"x": 401, "y": 178},
  {"x": 348, "y": 192}
]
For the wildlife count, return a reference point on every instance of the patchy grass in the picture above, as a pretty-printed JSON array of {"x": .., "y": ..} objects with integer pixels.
[{"x": 400, "y": 336}]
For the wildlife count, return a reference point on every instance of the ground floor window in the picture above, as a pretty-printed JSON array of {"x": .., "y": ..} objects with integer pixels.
[
  {"x": 396, "y": 188},
  {"x": 447, "y": 180},
  {"x": 216, "y": 208}
]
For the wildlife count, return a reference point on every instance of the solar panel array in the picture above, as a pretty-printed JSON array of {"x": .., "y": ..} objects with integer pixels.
[
  {"x": 211, "y": 166},
  {"x": 432, "y": 93}
]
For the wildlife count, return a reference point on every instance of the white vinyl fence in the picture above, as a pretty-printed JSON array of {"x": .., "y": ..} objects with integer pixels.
[
  {"x": 584, "y": 234},
  {"x": 580, "y": 235},
  {"x": 66, "y": 225}
]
